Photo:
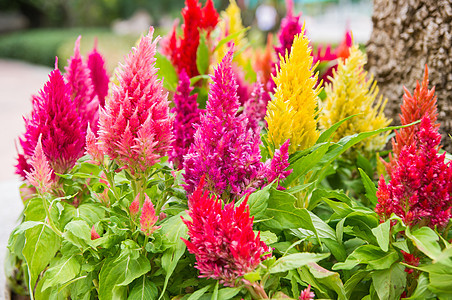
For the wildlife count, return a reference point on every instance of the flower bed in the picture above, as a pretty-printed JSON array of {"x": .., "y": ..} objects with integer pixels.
[{"x": 203, "y": 171}]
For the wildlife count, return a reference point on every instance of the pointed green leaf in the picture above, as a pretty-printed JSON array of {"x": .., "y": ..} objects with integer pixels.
[
  {"x": 382, "y": 233},
  {"x": 63, "y": 270},
  {"x": 296, "y": 260},
  {"x": 41, "y": 245},
  {"x": 426, "y": 240},
  {"x": 143, "y": 289},
  {"x": 326, "y": 135},
  {"x": 166, "y": 72},
  {"x": 390, "y": 283},
  {"x": 202, "y": 55},
  {"x": 78, "y": 233},
  {"x": 371, "y": 255},
  {"x": 371, "y": 190}
]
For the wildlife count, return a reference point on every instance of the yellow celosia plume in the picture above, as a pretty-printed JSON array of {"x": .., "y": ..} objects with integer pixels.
[
  {"x": 231, "y": 23},
  {"x": 292, "y": 113},
  {"x": 349, "y": 93}
]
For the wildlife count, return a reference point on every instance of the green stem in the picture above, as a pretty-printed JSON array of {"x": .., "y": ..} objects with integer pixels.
[{"x": 111, "y": 182}]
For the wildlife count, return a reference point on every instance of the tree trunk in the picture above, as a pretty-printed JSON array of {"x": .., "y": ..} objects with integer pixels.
[{"x": 408, "y": 34}]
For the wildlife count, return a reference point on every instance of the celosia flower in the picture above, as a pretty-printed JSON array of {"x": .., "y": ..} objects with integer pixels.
[
  {"x": 186, "y": 115},
  {"x": 78, "y": 75},
  {"x": 92, "y": 148},
  {"x": 134, "y": 208},
  {"x": 290, "y": 27},
  {"x": 224, "y": 151},
  {"x": 182, "y": 52},
  {"x": 421, "y": 103},
  {"x": 98, "y": 75},
  {"x": 94, "y": 234},
  {"x": 148, "y": 217},
  {"x": 279, "y": 164},
  {"x": 55, "y": 119},
  {"x": 411, "y": 260},
  {"x": 256, "y": 107},
  {"x": 222, "y": 239},
  {"x": 420, "y": 190},
  {"x": 41, "y": 176},
  {"x": 307, "y": 294},
  {"x": 350, "y": 93},
  {"x": 232, "y": 23},
  {"x": 291, "y": 114},
  {"x": 135, "y": 127}
]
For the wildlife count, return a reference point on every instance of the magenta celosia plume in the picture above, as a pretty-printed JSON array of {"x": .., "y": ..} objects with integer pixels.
[
  {"x": 186, "y": 115},
  {"x": 222, "y": 239},
  {"x": 420, "y": 190},
  {"x": 290, "y": 27},
  {"x": 98, "y": 75},
  {"x": 78, "y": 75},
  {"x": 135, "y": 126},
  {"x": 224, "y": 151},
  {"x": 255, "y": 107},
  {"x": 54, "y": 117}
]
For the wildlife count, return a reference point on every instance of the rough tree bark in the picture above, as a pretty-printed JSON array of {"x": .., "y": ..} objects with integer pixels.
[{"x": 408, "y": 34}]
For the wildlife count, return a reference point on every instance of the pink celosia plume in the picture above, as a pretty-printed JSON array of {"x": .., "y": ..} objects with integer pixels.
[
  {"x": 306, "y": 294},
  {"x": 420, "y": 190},
  {"x": 148, "y": 217},
  {"x": 41, "y": 176},
  {"x": 255, "y": 107},
  {"x": 135, "y": 126},
  {"x": 54, "y": 117},
  {"x": 134, "y": 208},
  {"x": 186, "y": 115},
  {"x": 222, "y": 239},
  {"x": 94, "y": 234}
]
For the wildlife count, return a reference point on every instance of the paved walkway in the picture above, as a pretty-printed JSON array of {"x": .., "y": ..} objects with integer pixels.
[{"x": 18, "y": 81}]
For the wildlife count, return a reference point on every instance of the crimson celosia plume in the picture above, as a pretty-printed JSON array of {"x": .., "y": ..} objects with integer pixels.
[
  {"x": 135, "y": 126},
  {"x": 222, "y": 239},
  {"x": 420, "y": 190},
  {"x": 54, "y": 117},
  {"x": 182, "y": 51}
]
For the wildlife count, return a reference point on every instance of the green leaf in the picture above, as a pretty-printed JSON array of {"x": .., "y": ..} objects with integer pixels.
[
  {"x": 202, "y": 55},
  {"x": 35, "y": 210},
  {"x": 143, "y": 289},
  {"x": 371, "y": 190},
  {"x": 305, "y": 163},
  {"x": 78, "y": 233},
  {"x": 257, "y": 202},
  {"x": 252, "y": 276},
  {"x": 90, "y": 212},
  {"x": 382, "y": 233},
  {"x": 173, "y": 229},
  {"x": 347, "y": 142},
  {"x": 118, "y": 272},
  {"x": 326, "y": 135},
  {"x": 422, "y": 291},
  {"x": 371, "y": 255},
  {"x": 41, "y": 245},
  {"x": 441, "y": 284},
  {"x": 268, "y": 237},
  {"x": 283, "y": 214},
  {"x": 426, "y": 240},
  {"x": 353, "y": 281},
  {"x": 296, "y": 260},
  {"x": 330, "y": 279},
  {"x": 197, "y": 294},
  {"x": 390, "y": 283},
  {"x": 63, "y": 270},
  {"x": 166, "y": 72},
  {"x": 228, "y": 293}
]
